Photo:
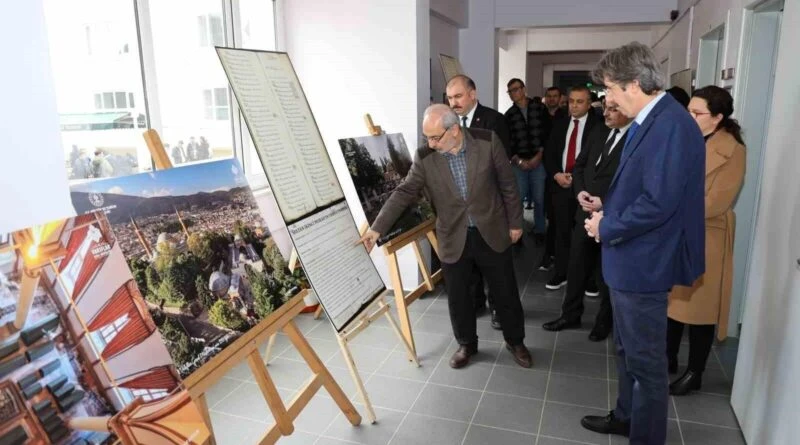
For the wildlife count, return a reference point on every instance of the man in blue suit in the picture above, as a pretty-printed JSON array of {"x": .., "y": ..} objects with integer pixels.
[{"x": 652, "y": 234}]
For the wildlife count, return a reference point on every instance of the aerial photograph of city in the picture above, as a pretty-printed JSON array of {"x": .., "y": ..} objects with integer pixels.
[{"x": 199, "y": 251}]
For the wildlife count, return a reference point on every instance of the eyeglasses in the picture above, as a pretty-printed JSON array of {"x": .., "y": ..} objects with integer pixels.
[
  {"x": 697, "y": 113},
  {"x": 513, "y": 90},
  {"x": 437, "y": 138}
]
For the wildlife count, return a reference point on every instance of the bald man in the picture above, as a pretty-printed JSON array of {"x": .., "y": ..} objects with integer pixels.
[{"x": 466, "y": 175}]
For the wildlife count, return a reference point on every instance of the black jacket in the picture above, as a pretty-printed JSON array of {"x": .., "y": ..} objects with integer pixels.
[
  {"x": 590, "y": 176},
  {"x": 529, "y": 135},
  {"x": 490, "y": 119},
  {"x": 558, "y": 139}
]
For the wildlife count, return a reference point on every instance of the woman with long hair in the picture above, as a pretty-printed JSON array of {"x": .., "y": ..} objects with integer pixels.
[{"x": 706, "y": 304}]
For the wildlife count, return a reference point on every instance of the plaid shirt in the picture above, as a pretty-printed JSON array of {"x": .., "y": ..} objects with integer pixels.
[{"x": 458, "y": 168}]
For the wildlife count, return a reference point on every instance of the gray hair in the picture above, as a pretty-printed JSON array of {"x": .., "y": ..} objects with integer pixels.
[
  {"x": 634, "y": 61},
  {"x": 443, "y": 112}
]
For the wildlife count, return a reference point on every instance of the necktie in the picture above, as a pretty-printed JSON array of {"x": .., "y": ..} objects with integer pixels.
[
  {"x": 631, "y": 132},
  {"x": 607, "y": 148},
  {"x": 572, "y": 147},
  {"x": 464, "y": 121}
]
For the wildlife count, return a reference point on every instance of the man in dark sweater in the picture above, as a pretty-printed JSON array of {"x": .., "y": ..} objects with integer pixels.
[{"x": 529, "y": 123}]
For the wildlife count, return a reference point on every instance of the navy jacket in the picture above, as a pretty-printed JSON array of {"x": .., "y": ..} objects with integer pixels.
[{"x": 652, "y": 231}]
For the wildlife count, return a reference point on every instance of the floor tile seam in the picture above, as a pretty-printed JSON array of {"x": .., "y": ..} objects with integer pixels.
[
  {"x": 677, "y": 419},
  {"x": 483, "y": 393},
  {"x": 546, "y": 388},
  {"x": 725, "y": 427},
  {"x": 416, "y": 399},
  {"x": 239, "y": 385}
]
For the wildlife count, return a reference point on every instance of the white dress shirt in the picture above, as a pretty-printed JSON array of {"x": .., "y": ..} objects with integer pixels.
[
  {"x": 581, "y": 127},
  {"x": 618, "y": 137},
  {"x": 469, "y": 115}
]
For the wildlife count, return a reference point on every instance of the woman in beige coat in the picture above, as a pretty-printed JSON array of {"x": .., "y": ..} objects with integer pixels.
[{"x": 707, "y": 302}]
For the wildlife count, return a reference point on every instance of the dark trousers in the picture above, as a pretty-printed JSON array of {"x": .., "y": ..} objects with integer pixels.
[
  {"x": 550, "y": 237},
  {"x": 585, "y": 267},
  {"x": 564, "y": 207},
  {"x": 701, "y": 337},
  {"x": 477, "y": 289},
  {"x": 497, "y": 269},
  {"x": 640, "y": 331}
]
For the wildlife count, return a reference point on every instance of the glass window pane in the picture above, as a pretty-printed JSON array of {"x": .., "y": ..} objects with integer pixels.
[
  {"x": 130, "y": 100},
  {"x": 187, "y": 75},
  {"x": 119, "y": 100},
  {"x": 85, "y": 39},
  {"x": 222, "y": 113},
  {"x": 108, "y": 100},
  {"x": 216, "y": 30},
  {"x": 257, "y": 20},
  {"x": 202, "y": 30},
  {"x": 221, "y": 97}
]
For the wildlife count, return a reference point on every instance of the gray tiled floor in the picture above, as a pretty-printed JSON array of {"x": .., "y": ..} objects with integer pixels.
[{"x": 491, "y": 401}]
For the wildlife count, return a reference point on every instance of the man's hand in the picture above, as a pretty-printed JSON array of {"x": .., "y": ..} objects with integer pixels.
[
  {"x": 369, "y": 239},
  {"x": 530, "y": 164},
  {"x": 592, "y": 225},
  {"x": 597, "y": 203},
  {"x": 515, "y": 235},
  {"x": 589, "y": 203},
  {"x": 563, "y": 179}
]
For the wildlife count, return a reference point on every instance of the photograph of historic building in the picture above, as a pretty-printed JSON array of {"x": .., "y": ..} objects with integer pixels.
[
  {"x": 200, "y": 253},
  {"x": 377, "y": 165},
  {"x": 76, "y": 336}
]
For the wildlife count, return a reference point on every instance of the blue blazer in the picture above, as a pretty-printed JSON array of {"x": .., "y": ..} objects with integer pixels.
[{"x": 652, "y": 231}]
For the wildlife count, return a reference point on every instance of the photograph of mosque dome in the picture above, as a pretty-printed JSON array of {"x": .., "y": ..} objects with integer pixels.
[{"x": 200, "y": 253}]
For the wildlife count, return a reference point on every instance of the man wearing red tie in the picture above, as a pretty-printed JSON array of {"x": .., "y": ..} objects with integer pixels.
[{"x": 563, "y": 147}]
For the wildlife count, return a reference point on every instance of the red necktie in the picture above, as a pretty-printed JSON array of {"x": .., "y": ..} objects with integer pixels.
[{"x": 572, "y": 147}]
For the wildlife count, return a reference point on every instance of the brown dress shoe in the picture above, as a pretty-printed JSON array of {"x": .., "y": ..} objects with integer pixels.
[
  {"x": 521, "y": 355},
  {"x": 462, "y": 355}
]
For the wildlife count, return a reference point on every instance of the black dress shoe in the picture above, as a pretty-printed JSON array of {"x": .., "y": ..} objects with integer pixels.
[
  {"x": 561, "y": 323},
  {"x": 599, "y": 332},
  {"x": 689, "y": 381},
  {"x": 606, "y": 425},
  {"x": 546, "y": 263},
  {"x": 556, "y": 283},
  {"x": 462, "y": 355},
  {"x": 521, "y": 355},
  {"x": 672, "y": 366},
  {"x": 495, "y": 322}
]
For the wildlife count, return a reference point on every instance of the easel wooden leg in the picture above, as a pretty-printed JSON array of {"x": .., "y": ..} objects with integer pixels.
[
  {"x": 409, "y": 350},
  {"x": 400, "y": 302},
  {"x": 362, "y": 392},
  {"x": 318, "y": 312},
  {"x": 270, "y": 393},
  {"x": 202, "y": 405},
  {"x": 268, "y": 351},
  {"x": 319, "y": 369},
  {"x": 426, "y": 275},
  {"x": 431, "y": 235}
]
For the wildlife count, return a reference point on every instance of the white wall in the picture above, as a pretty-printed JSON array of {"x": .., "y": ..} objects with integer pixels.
[
  {"x": 454, "y": 11},
  {"x": 33, "y": 179},
  {"x": 519, "y": 14},
  {"x": 477, "y": 50},
  {"x": 587, "y": 38},
  {"x": 511, "y": 63},
  {"x": 766, "y": 386},
  {"x": 354, "y": 58},
  {"x": 444, "y": 40}
]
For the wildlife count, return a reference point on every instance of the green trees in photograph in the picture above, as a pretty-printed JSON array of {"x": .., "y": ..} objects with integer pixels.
[{"x": 222, "y": 314}]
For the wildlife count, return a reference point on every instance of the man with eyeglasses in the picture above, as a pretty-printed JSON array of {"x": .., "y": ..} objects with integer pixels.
[
  {"x": 652, "y": 231},
  {"x": 529, "y": 123},
  {"x": 466, "y": 175}
]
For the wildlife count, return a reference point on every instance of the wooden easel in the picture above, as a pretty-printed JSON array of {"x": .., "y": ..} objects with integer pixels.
[
  {"x": 427, "y": 230},
  {"x": 246, "y": 347}
]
